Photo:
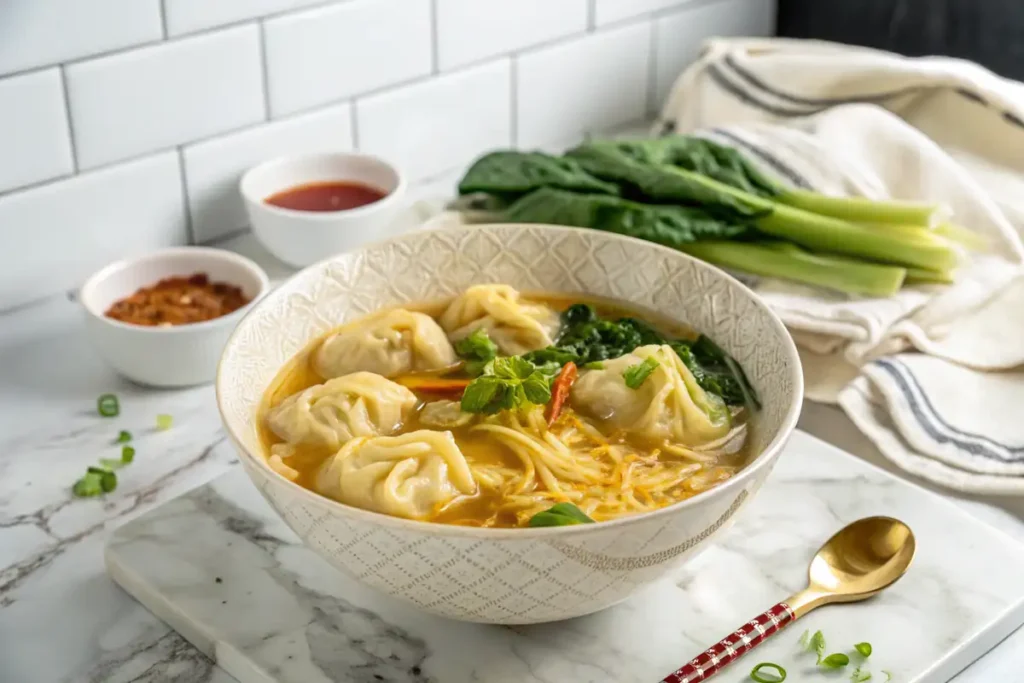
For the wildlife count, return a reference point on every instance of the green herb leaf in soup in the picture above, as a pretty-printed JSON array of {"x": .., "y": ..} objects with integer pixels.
[
  {"x": 561, "y": 514},
  {"x": 476, "y": 349}
]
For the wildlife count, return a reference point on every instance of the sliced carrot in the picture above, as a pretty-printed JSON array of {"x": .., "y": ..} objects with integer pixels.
[
  {"x": 434, "y": 385},
  {"x": 560, "y": 390}
]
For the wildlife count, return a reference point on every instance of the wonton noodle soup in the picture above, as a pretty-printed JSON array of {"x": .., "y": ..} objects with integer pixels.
[{"x": 497, "y": 409}]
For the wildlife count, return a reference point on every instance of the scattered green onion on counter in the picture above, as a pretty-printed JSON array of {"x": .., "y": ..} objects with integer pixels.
[
  {"x": 777, "y": 675},
  {"x": 863, "y": 649},
  {"x": 124, "y": 437},
  {"x": 108, "y": 405},
  {"x": 164, "y": 422},
  {"x": 859, "y": 676},
  {"x": 127, "y": 454},
  {"x": 835, "y": 661}
]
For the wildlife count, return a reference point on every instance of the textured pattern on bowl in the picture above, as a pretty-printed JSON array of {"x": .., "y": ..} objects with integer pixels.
[{"x": 508, "y": 576}]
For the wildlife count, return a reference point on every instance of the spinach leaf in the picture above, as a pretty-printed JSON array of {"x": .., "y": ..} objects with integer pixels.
[
  {"x": 716, "y": 371},
  {"x": 509, "y": 172},
  {"x": 560, "y": 514},
  {"x": 672, "y": 226},
  {"x": 722, "y": 163},
  {"x": 633, "y": 169}
]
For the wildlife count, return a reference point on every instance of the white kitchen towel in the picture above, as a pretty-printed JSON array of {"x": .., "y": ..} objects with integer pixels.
[{"x": 854, "y": 121}]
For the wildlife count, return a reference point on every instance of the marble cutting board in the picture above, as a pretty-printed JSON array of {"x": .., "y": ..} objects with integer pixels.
[{"x": 220, "y": 567}]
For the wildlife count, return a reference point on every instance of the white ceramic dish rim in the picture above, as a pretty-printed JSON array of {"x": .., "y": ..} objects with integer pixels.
[
  {"x": 85, "y": 291},
  {"x": 764, "y": 459},
  {"x": 390, "y": 197}
]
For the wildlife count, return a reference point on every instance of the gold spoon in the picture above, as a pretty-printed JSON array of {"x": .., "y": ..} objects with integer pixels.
[{"x": 862, "y": 559}]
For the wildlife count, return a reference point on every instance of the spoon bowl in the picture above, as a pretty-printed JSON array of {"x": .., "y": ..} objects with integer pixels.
[{"x": 860, "y": 560}]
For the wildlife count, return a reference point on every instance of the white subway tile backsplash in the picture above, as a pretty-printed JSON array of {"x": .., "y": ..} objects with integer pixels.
[
  {"x": 186, "y": 16},
  {"x": 587, "y": 84},
  {"x": 679, "y": 36},
  {"x": 57, "y": 234},
  {"x": 213, "y": 168},
  {"x": 136, "y": 102},
  {"x": 327, "y": 54},
  {"x": 471, "y": 30},
  {"x": 35, "y": 144},
  {"x": 43, "y": 32},
  {"x": 441, "y": 124},
  {"x": 609, "y": 11}
]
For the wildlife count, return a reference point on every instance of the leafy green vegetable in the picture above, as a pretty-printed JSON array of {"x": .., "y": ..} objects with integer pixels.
[
  {"x": 635, "y": 374},
  {"x": 513, "y": 173},
  {"x": 777, "y": 676},
  {"x": 123, "y": 437},
  {"x": 835, "y": 661},
  {"x": 476, "y": 349},
  {"x": 784, "y": 260},
  {"x": 644, "y": 179},
  {"x": 108, "y": 406},
  {"x": 560, "y": 514},
  {"x": 859, "y": 675},
  {"x": 506, "y": 383},
  {"x": 586, "y": 338},
  {"x": 864, "y": 649},
  {"x": 672, "y": 226}
]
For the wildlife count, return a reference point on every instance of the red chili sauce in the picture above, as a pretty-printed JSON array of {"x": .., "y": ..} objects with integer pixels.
[{"x": 335, "y": 195}]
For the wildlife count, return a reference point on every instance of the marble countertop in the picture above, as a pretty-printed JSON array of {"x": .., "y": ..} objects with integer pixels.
[{"x": 61, "y": 618}]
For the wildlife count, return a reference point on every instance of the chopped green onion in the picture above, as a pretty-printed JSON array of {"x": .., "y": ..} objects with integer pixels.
[
  {"x": 635, "y": 375},
  {"x": 864, "y": 649},
  {"x": 776, "y": 676},
  {"x": 123, "y": 437},
  {"x": 594, "y": 365},
  {"x": 164, "y": 422},
  {"x": 888, "y": 676},
  {"x": 88, "y": 486},
  {"x": 111, "y": 463},
  {"x": 817, "y": 644},
  {"x": 127, "y": 454},
  {"x": 805, "y": 639},
  {"x": 108, "y": 405},
  {"x": 859, "y": 676},
  {"x": 835, "y": 661},
  {"x": 108, "y": 480}
]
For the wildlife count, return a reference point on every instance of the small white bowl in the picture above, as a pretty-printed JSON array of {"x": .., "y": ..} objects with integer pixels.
[
  {"x": 302, "y": 238},
  {"x": 174, "y": 356}
]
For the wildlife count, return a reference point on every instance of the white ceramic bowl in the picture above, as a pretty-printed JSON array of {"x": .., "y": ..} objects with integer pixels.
[
  {"x": 304, "y": 237},
  {"x": 509, "y": 576},
  {"x": 176, "y": 356}
]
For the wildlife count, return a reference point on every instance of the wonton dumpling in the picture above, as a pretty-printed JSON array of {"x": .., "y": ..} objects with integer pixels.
[
  {"x": 669, "y": 405},
  {"x": 329, "y": 414},
  {"x": 410, "y": 475},
  {"x": 515, "y": 326},
  {"x": 393, "y": 343},
  {"x": 444, "y": 414}
]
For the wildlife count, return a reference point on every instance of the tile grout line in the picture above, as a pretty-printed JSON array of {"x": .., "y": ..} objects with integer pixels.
[
  {"x": 652, "y": 71},
  {"x": 435, "y": 60},
  {"x": 355, "y": 124},
  {"x": 72, "y": 139},
  {"x": 513, "y": 100},
  {"x": 190, "y": 232},
  {"x": 264, "y": 70},
  {"x": 163, "y": 17}
]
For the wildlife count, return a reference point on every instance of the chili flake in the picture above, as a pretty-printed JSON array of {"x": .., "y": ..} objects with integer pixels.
[{"x": 179, "y": 301}]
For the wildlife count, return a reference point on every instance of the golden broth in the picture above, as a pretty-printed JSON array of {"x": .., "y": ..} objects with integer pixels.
[{"x": 620, "y": 456}]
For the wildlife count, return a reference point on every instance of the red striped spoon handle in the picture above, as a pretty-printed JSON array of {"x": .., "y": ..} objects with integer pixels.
[{"x": 733, "y": 646}]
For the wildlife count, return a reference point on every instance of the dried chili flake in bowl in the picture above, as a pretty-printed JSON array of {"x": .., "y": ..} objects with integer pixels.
[{"x": 178, "y": 301}]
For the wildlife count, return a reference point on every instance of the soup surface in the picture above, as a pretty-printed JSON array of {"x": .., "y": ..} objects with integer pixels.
[
  {"x": 328, "y": 196},
  {"x": 497, "y": 409}
]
